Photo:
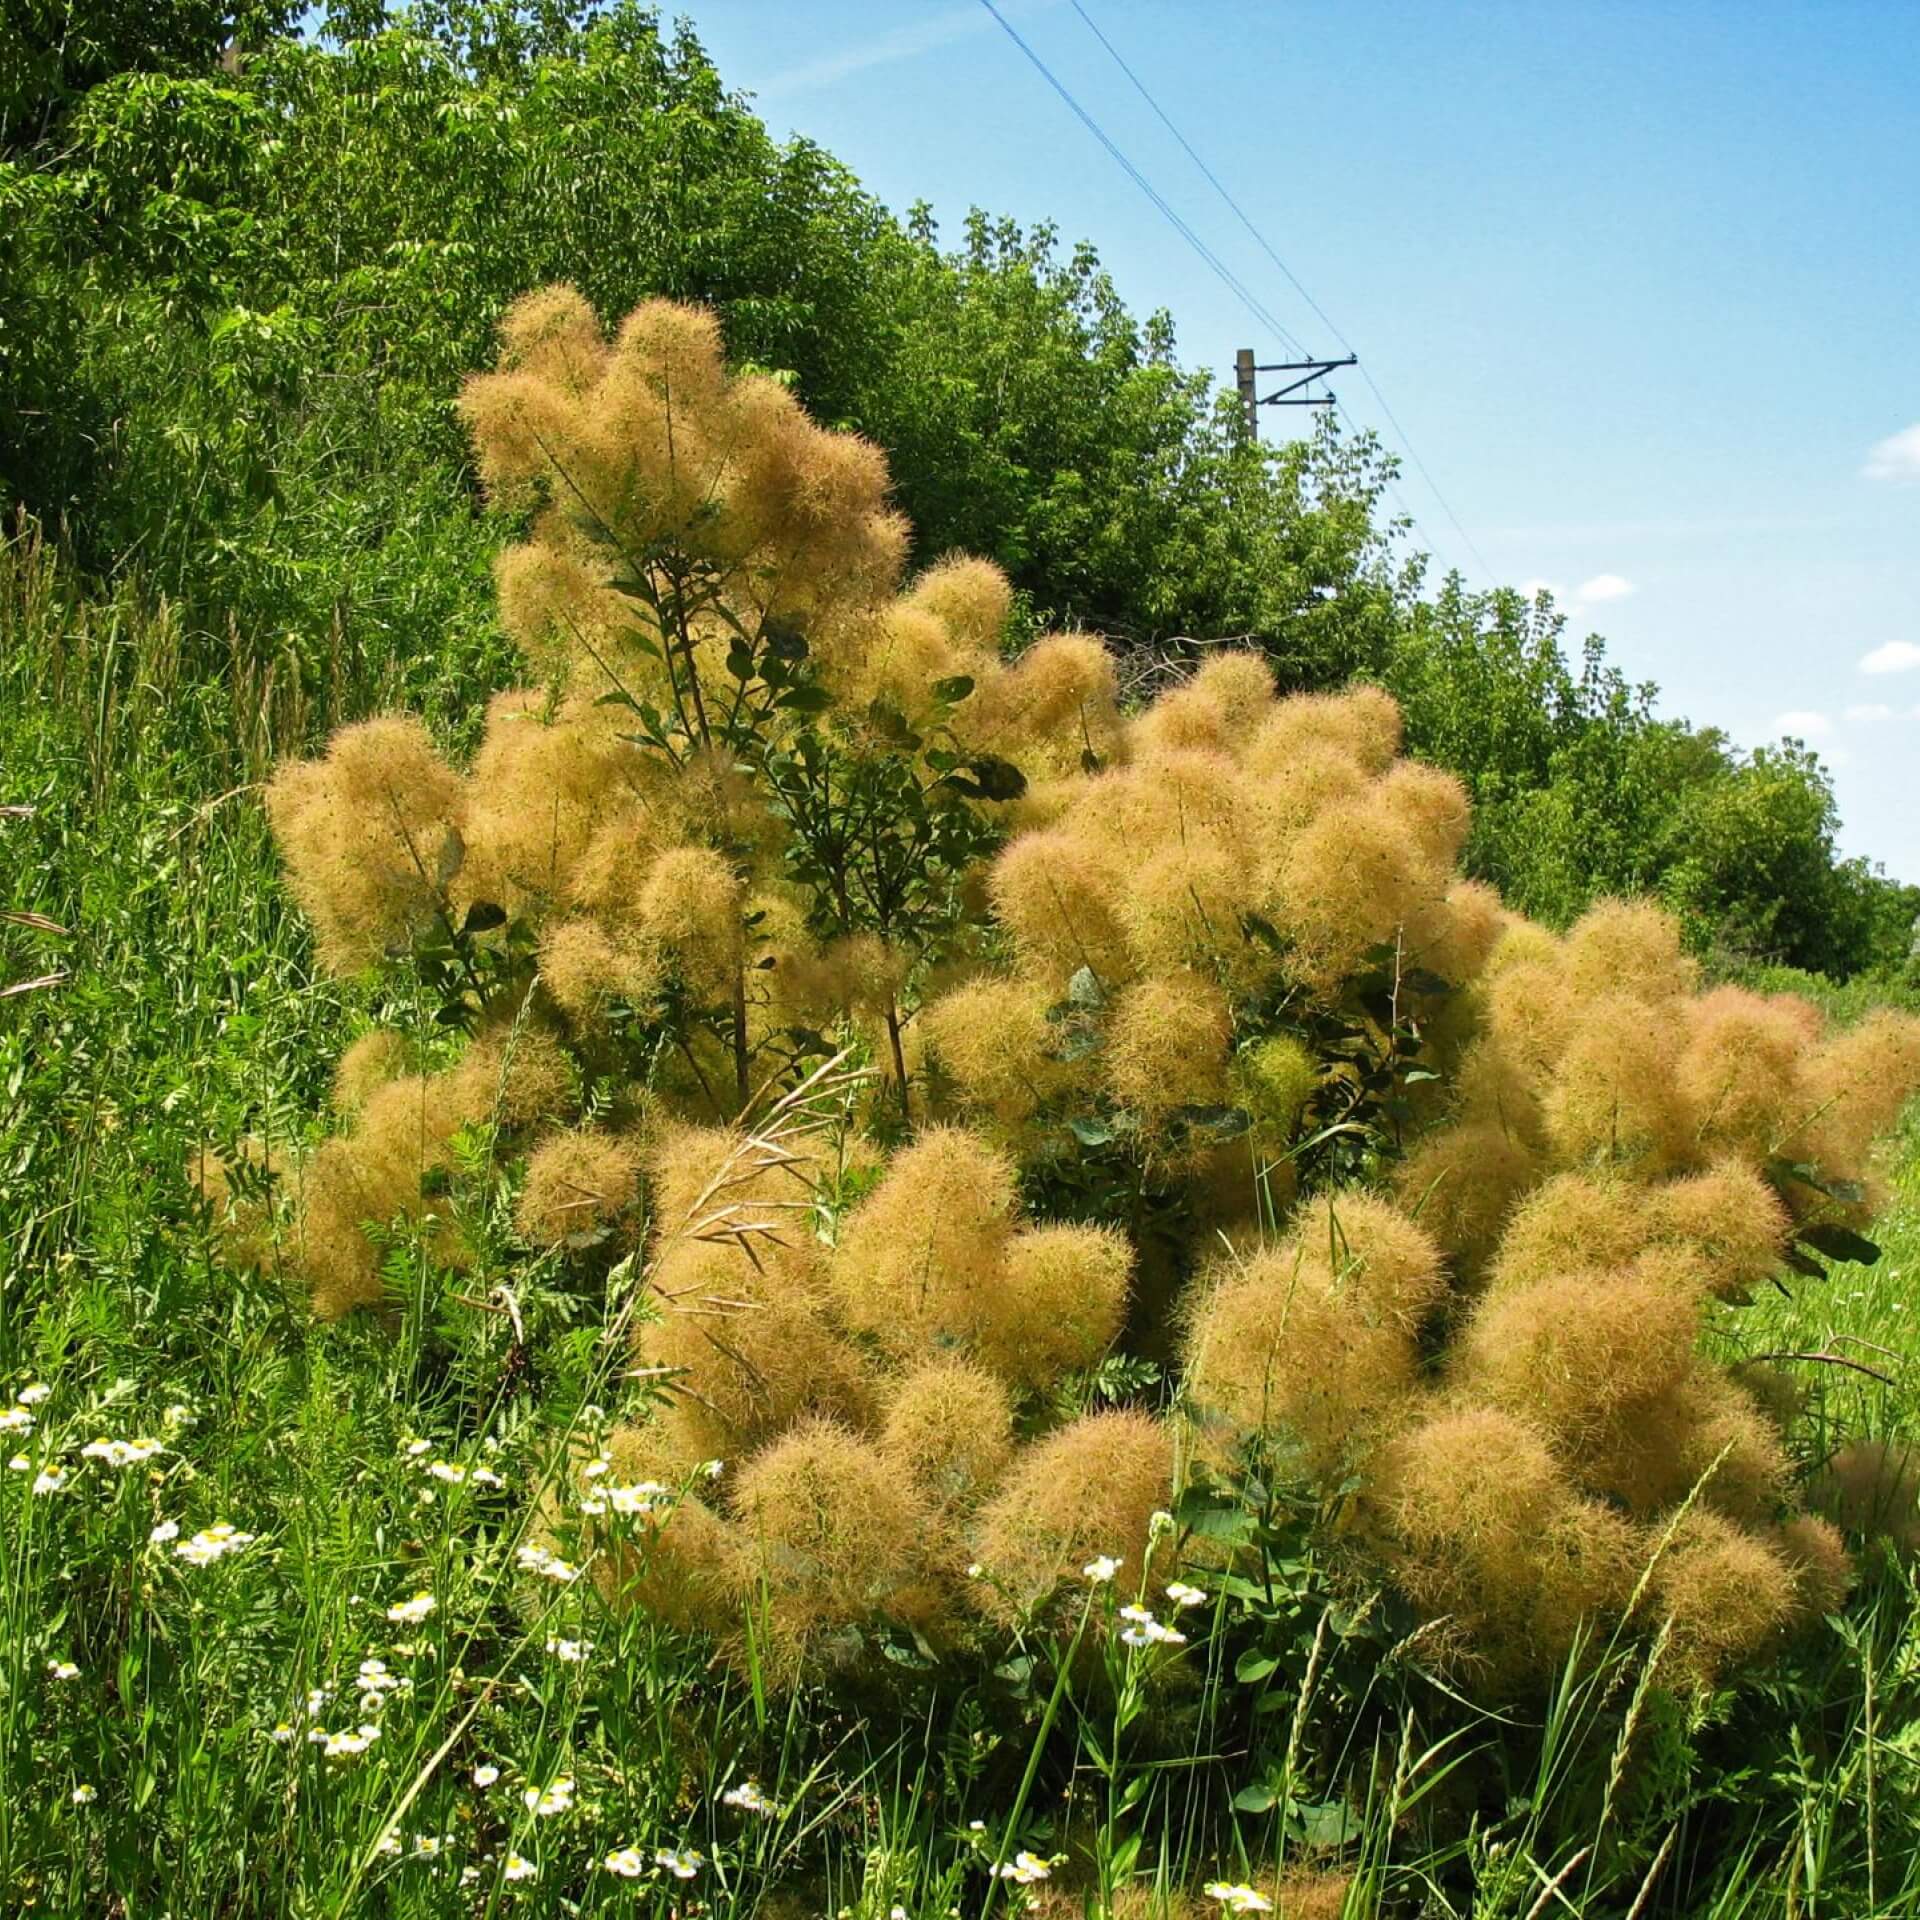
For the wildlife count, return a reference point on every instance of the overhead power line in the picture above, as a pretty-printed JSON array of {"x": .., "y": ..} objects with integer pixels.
[
  {"x": 1260, "y": 240},
  {"x": 1226, "y": 274},
  {"x": 1213, "y": 179}
]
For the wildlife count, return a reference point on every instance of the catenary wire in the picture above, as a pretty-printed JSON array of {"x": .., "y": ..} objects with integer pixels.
[
  {"x": 1227, "y": 276},
  {"x": 1293, "y": 280}
]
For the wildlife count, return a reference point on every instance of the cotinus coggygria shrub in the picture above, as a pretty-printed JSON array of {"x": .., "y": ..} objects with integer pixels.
[{"x": 1186, "y": 1037}]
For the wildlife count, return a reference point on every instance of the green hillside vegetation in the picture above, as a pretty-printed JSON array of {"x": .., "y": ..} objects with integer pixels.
[
  {"x": 239, "y": 301},
  {"x": 706, "y": 982}
]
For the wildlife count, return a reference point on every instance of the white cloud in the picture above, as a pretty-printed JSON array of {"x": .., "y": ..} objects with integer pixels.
[
  {"x": 1869, "y": 713},
  {"x": 1589, "y": 593},
  {"x": 1602, "y": 587},
  {"x": 1897, "y": 656},
  {"x": 883, "y": 49},
  {"x": 1897, "y": 457},
  {"x": 1803, "y": 724}
]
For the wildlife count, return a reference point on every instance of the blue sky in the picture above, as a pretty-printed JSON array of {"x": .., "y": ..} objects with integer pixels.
[{"x": 1641, "y": 283}]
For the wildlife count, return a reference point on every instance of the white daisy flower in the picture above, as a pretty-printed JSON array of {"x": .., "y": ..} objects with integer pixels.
[
  {"x": 548, "y": 1565},
  {"x": 213, "y": 1543},
  {"x": 1237, "y": 1898},
  {"x": 120, "y": 1453},
  {"x": 556, "y": 1797},
  {"x": 1024, "y": 1869},
  {"x": 639, "y": 1500}
]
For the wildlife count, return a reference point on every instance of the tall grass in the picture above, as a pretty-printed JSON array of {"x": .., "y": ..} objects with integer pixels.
[{"x": 1296, "y": 1735}]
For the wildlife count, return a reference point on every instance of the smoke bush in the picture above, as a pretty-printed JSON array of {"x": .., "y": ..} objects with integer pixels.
[{"x": 1188, "y": 1038}]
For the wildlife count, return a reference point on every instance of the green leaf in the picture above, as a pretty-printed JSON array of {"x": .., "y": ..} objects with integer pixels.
[
  {"x": 1224, "y": 1123},
  {"x": 1084, "y": 990},
  {"x": 1081, "y": 1044},
  {"x": 1253, "y": 1667},
  {"x": 1331, "y": 1823},
  {"x": 891, "y": 725},
  {"x": 1255, "y": 1800},
  {"x": 453, "y": 850},
  {"x": 1230, "y": 1524},
  {"x": 951, "y": 692},
  {"x": 1841, "y": 1243},
  {"x": 805, "y": 700},
  {"x": 1091, "y": 1133},
  {"x": 994, "y": 778},
  {"x": 483, "y": 916}
]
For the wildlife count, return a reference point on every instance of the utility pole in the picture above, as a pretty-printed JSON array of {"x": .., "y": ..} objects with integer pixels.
[{"x": 1293, "y": 394}]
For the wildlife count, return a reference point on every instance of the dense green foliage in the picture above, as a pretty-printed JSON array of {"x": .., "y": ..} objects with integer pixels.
[
  {"x": 236, "y": 300},
  {"x": 1580, "y": 788}
]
